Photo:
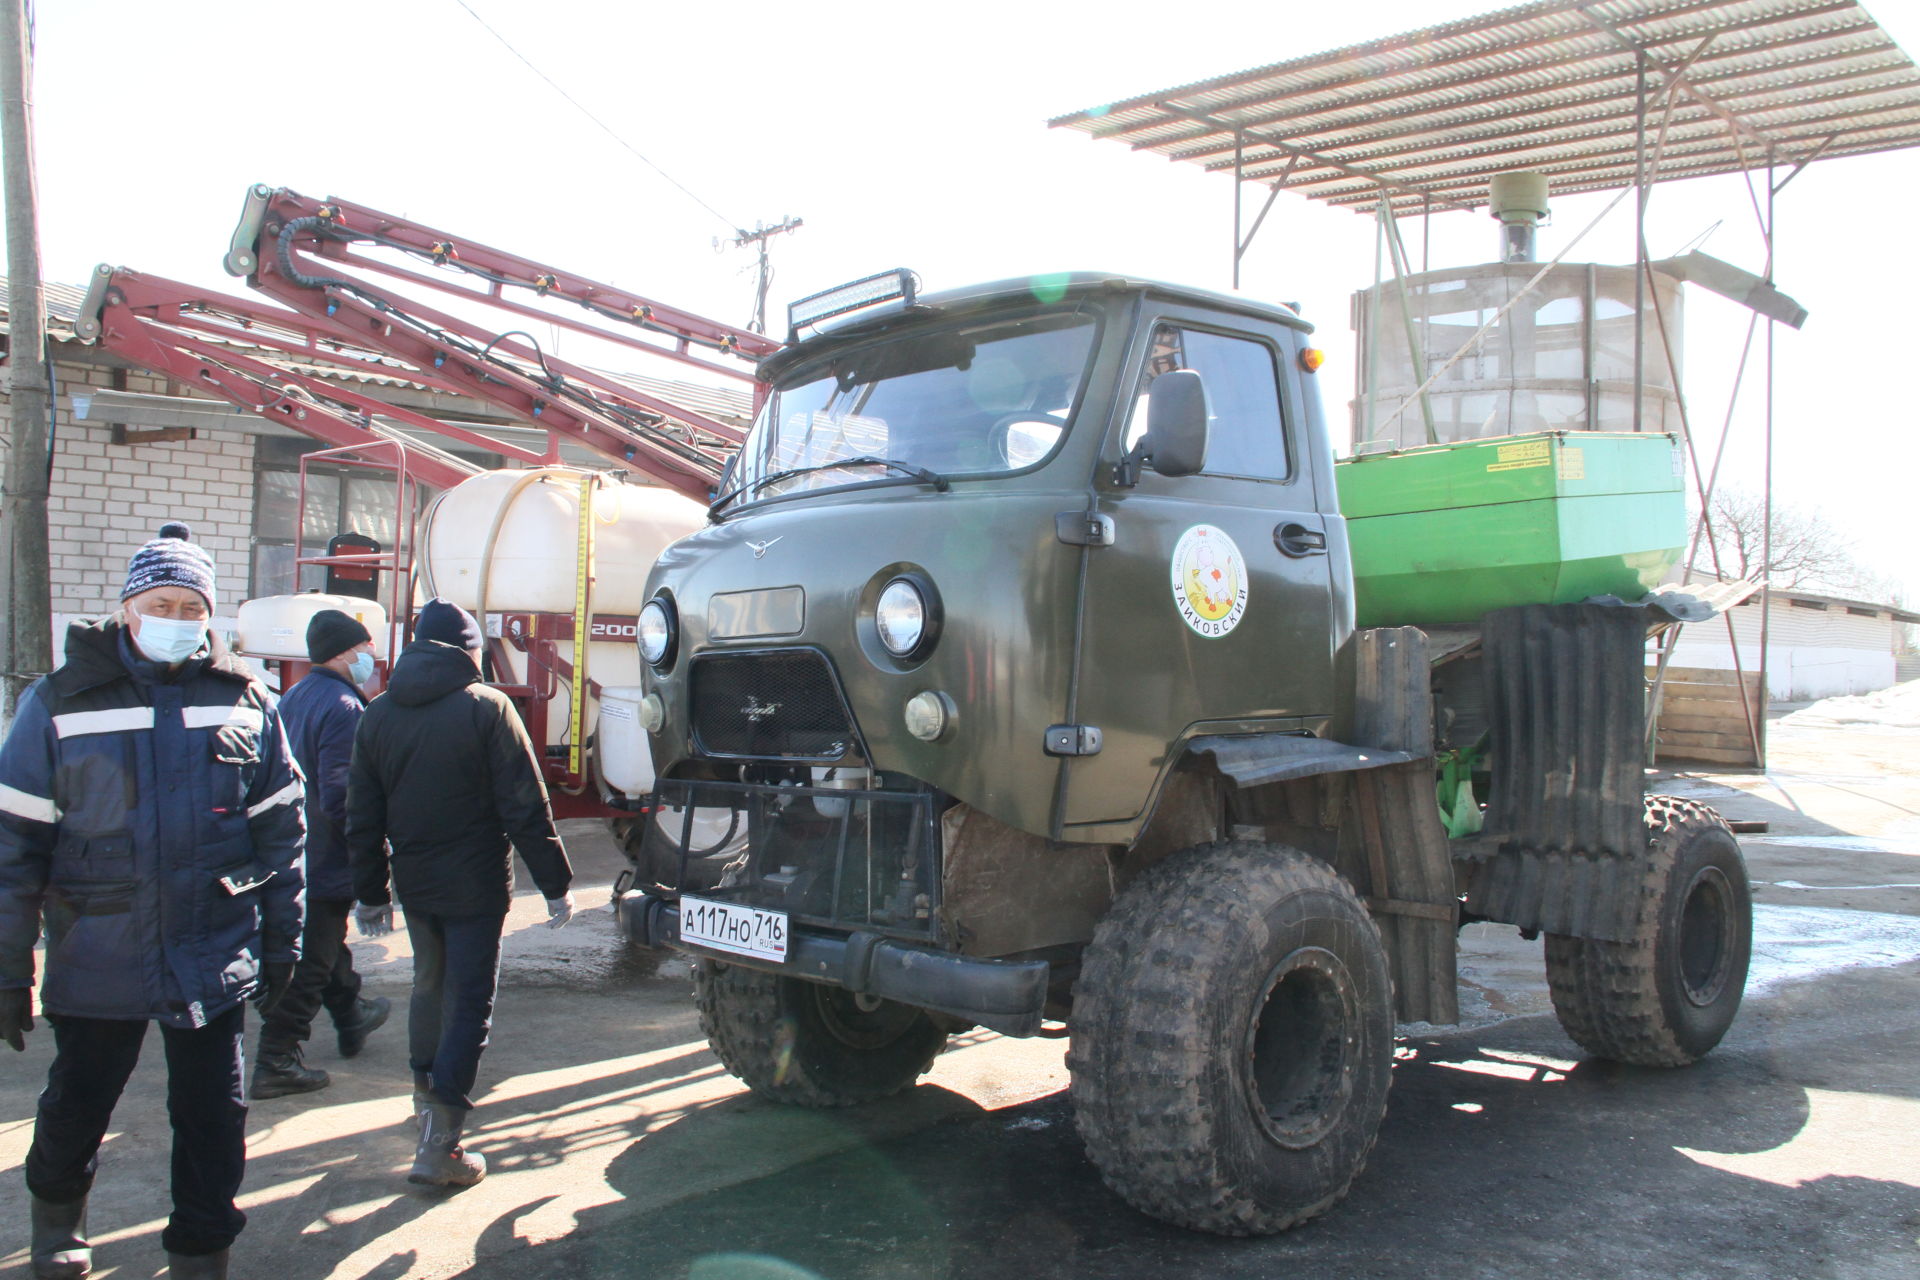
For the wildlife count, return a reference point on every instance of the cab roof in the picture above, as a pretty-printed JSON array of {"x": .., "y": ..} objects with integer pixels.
[{"x": 1052, "y": 288}]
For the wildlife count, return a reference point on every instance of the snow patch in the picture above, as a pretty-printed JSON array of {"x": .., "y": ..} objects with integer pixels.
[
  {"x": 1794, "y": 944},
  {"x": 1897, "y": 707},
  {"x": 1848, "y": 844}
]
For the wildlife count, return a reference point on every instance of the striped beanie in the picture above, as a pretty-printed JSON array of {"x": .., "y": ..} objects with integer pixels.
[{"x": 170, "y": 560}]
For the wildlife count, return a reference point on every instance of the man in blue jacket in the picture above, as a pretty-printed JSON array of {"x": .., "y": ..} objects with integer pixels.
[
  {"x": 321, "y": 713},
  {"x": 150, "y": 815}
]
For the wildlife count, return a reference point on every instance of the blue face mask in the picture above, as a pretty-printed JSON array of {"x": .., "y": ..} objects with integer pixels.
[
  {"x": 170, "y": 640},
  {"x": 360, "y": 670}
]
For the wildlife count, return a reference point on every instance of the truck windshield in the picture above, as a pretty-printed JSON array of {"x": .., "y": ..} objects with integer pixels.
[{"x": 968, "y": 401}]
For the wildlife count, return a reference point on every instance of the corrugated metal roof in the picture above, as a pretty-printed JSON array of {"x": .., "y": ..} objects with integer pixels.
[
  {"x": 63, "y": 305},
  {"x": 1431, "y": 115}
]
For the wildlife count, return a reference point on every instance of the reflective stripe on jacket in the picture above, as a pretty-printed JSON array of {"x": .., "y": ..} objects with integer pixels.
[{"x": 155, "y": 825}]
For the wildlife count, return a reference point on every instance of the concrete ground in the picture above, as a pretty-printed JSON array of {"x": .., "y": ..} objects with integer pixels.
[{"x": 618, "y": 1144}]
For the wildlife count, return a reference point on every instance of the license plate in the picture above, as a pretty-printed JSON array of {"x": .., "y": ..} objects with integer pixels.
[{"x": 727, "y": 926}]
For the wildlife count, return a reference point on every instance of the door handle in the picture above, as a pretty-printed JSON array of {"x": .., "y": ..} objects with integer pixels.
[{"x": 1296, "y": 539}]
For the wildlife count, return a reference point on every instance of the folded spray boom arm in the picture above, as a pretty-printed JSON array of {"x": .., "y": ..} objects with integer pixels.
[{"x": 338, "y": 263}]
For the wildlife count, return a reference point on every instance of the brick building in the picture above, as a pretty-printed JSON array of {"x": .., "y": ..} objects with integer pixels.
[{"x": 132, "y": 450}]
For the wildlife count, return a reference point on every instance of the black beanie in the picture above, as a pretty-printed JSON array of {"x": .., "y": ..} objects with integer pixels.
[
  {"x": 447, "y": 622},
  {"x": 331, "y": 633}
]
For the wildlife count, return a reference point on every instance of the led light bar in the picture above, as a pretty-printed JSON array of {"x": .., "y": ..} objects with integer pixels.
[{"x": 885, "y": 287}]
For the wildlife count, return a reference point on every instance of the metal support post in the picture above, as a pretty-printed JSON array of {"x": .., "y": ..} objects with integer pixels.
[{"x": 1639, "y": 237}]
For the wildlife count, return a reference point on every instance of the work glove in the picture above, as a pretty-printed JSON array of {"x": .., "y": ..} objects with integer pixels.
[
  {"x": 373, "y": 919},
  {"x": 275, "y": 978},
  {"x": 559, "y": 910},
  {"x": 16, "y": 1017}
]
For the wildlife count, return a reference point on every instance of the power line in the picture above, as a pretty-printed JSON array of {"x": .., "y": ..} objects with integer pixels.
[{"x": 731, "y": 225}]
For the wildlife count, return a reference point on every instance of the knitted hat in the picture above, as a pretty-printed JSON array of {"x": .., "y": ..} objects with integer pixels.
[
  {"x": 331, "y": 633},
  {"x": 448, "y": 623},
  {"x": 170, "y": 560}
]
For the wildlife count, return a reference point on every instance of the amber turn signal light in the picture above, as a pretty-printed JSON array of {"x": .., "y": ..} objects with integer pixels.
[{"x": 1311, "y": 358}]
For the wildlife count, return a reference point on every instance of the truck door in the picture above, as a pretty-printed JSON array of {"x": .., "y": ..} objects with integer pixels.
[{"x": 1214, "y": 601}]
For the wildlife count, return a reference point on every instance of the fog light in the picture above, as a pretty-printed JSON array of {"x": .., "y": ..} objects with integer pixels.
[
  {"x": 653, "y": 713},
  {"x": 928, "y": 715}
]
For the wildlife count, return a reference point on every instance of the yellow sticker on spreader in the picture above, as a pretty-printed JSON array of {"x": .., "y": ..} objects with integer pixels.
[{"x": 1518, "y": 457}]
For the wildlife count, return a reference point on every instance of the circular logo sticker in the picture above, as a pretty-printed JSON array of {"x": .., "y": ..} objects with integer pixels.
[{"x": 1209, "y": 581}]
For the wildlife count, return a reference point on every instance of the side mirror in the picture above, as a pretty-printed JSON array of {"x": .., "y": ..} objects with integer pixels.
[{"x": 1175, "y": 443}]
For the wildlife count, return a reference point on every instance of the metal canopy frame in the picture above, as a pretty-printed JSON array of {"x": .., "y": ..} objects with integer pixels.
[
  {"x": 1558, "y": 87},
  {"x": 1598, "y": 95}
]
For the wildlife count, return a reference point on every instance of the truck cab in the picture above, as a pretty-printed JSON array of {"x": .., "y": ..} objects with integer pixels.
[
  {"x": 954, "y": 567},
  {"x": 1014, "y": 682}
]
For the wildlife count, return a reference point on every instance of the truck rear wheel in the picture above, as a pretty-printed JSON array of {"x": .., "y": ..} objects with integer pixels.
[
  {"x": 1665, "y": 997},
  {"x": 809, "y": 1044},
  {"x": 1233, "y": 1039}
]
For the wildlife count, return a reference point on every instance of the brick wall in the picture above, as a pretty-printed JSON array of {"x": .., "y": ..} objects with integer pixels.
[{"x": 104, "y": 499}]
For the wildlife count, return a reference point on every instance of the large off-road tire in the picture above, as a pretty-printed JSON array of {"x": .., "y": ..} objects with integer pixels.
[
  {"x": 1233, "y": 1039},
  {"x": 809, "y": 1044},
  {"x": 1665, "y": 997}
]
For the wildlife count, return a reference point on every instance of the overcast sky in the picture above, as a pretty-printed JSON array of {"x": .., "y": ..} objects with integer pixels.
[{"x": 905, "y": 135}]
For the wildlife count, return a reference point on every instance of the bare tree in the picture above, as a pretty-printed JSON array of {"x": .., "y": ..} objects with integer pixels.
[{"x": 1805, "y": 548}]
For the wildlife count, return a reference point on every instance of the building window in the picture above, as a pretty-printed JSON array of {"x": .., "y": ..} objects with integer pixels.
[{"x": 338, "y": 500}]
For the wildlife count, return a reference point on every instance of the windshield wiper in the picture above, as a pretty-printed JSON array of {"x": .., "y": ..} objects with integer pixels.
[{"x": 934, "y": 478}]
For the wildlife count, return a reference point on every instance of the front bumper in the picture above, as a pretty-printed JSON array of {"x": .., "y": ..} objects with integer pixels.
[{"x": 1002, "y": 995}]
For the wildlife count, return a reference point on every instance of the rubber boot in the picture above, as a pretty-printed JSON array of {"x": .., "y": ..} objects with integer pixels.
[
  {"x": 422, "y": 1095},
  {"x": 276, "y": 1074},
  {"x": 369, "y": 1015},
  {"x": 440, "y": 1161},
  {"x": 60, "y": 1250},
  {"x": 203, "y": 1266}
]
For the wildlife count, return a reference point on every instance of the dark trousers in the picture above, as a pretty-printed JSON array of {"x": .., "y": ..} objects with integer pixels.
[
  {"x": 456, "y": 970},
  {"x": 323, "y": 978},
  {"x": 92, "y": 1060}
]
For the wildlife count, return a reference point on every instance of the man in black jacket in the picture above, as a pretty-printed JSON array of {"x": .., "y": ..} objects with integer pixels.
[
  {"x": 321, "y": 713},
  {"x": 444, "y": 772}
]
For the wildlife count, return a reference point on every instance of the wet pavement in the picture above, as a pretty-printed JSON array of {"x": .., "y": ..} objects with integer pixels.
[{"x": 618, "y": 1144}]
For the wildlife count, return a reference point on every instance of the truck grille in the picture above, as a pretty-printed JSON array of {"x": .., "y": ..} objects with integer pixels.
[
  {"x": 778, "y": 705},
  {"x": 843, "y": 859}
]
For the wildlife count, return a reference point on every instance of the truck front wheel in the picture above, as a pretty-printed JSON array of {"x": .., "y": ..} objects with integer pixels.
[
  {"x": 1233, "y": 1039},
  {"x": 1666, "y": 996},
  {"x": 809, "y": 1044}
]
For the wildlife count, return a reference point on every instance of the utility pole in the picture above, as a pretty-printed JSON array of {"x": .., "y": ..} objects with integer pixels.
[
  {"x": 759, "y": 237},
  {"x": 26, "y": 608}
]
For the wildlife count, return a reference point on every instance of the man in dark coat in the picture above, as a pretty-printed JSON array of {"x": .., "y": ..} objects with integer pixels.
[
  {"x": 321, "y": 713},
  {"x": 443, "y": 771},
  {"x": 150, "y": 815}
]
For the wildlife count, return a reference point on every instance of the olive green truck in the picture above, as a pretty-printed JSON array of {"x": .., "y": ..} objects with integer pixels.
[{"x": 1018, "y": 681}]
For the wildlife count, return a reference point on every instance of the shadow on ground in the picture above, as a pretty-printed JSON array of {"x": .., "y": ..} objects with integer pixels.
[{"x": 1500, "y": 1156}]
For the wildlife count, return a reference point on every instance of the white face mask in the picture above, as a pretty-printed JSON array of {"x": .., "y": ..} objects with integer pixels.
[
  {"x": 170, "y": 640},
  {"x": 360, "y": 670}
]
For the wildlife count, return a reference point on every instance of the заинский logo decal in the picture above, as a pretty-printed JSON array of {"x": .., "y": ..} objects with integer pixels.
[{"x": 1209, "y": 581}]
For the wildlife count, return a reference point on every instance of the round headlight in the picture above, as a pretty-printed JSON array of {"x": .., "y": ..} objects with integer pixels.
[
  {"x": 901, "y": 617},
  {"x": 656, "y": 632},
  {"x": 928, "y": 715}
]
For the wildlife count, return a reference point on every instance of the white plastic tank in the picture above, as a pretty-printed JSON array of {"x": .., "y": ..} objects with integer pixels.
[
  {"x": 626, "y": 758},
  {"x": 513, "y": 538},
  {"x": 276, "y": 626},
  {"x": 508, "y": 542}
]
